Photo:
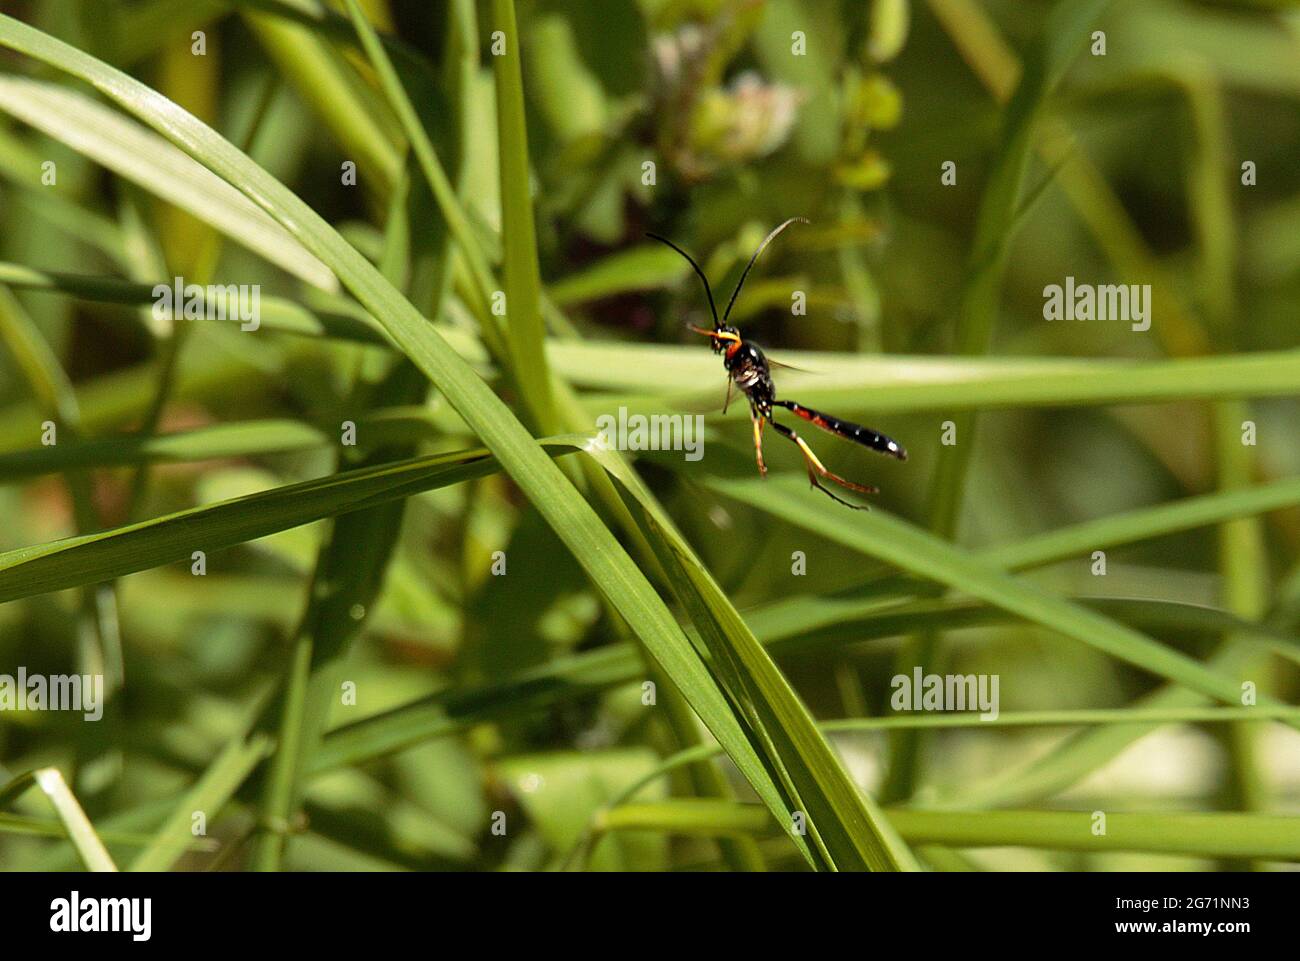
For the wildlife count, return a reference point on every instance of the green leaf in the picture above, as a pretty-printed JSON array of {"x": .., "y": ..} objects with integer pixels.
[
  {"x": 646, "y": 267},
  {"x": 91, "y": 558},
  {"x": 76, "y": 825},
  {"x": 910, "y": 385},
  {"x": 348, "y": 109},
  {"x": 209, "y": 795},
  {"x": 243, "y": 439},
  {"x": 144, "y": 158},
  {"x": 1201, "y": 835},
  {"x": 525, "y": 329}
]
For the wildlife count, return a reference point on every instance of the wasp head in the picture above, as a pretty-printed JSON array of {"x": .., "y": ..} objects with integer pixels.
[{"x": 724, "y": 337}]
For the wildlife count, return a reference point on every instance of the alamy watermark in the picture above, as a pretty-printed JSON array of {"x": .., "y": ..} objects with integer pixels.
[
  {"x": 684, "y": 432},
  {"x": 53, "y": 692},
  {"x": 919, "y": 691},
  {"x": 75, "y": 914},
  {"x": 1128, "y": 302},
  {"x": 242, "y": 302}
]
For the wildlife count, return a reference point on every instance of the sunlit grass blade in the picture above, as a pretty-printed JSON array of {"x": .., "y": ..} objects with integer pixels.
[
  {"x": 90, "y": 848},
  {"x": 144, "y": 158},
  {"x": 953, "y": 385},
  {"x": 1128, "y": 527}
]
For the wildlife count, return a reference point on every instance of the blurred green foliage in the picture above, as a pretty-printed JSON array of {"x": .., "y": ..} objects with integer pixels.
[{"x": 707, "y": 121}]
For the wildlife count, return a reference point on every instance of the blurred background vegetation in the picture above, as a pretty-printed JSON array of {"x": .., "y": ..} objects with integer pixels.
[{"x": 1131, "y": 173}]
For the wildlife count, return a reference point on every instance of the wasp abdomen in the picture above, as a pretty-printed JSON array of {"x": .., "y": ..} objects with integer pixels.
[{"x": 847, "y": 429}]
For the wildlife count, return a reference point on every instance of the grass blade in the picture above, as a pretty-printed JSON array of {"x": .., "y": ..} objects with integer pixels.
[
  {"x": 79, "y": 830},
  {"x": 145, "y": 159},
  {"x": 209, "y": 795},
  {"x": 889, "y": 539},
  {"x": 174, "y": 537},
  {"x": 525, "y": 329},
  {"x": 1193, "y": 835}
]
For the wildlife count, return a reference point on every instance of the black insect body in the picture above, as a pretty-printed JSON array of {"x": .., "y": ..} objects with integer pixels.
[{"x": 750, "y": 371}]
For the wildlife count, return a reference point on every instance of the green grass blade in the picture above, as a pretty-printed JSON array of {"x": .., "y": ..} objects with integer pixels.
[
  {"x": 208, "y": 796},
  {"x": 144, "y": 158},
  {"x": 889, "y": 539},
  {"x": 325, "y": 81},
  {"x": 219, "y": 441},
  {"x": 1194, "y": 835},
  {"x": 435, "y": 174},
  {"x": 647, "y": 267},
  {"x": 525, "y": 329},
  {"x": 1143, "y": 524},
  {"x": 88, "y": 845},
  {"x": 844, "y": 818},
  {"x": 174, "y": 537},
  {"x": 915, "y": 385}
]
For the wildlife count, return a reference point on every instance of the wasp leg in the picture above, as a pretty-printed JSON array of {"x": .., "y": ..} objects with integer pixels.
[
  {"x": 816, "y": 468},
  {"x": 727, "y": 402},
  {"x": 759, "y": 422}
]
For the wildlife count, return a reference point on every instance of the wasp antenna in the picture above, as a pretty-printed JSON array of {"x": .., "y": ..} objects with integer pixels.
[
  {"x": 691, "y": 260},
  {"x": 761, "y": 247}
]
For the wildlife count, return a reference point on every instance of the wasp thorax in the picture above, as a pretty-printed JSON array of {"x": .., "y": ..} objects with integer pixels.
[{"x": 745, "y": 355}]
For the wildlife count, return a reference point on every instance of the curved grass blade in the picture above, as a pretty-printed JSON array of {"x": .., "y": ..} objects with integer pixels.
[
  {"x": 174, "y": 537},
  {"x": 846, "y": 819},
  {"x": 144, "y": 158}
]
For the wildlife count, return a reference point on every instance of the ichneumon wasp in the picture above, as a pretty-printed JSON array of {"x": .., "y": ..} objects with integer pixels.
[{"x": 748, "y": 369}]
